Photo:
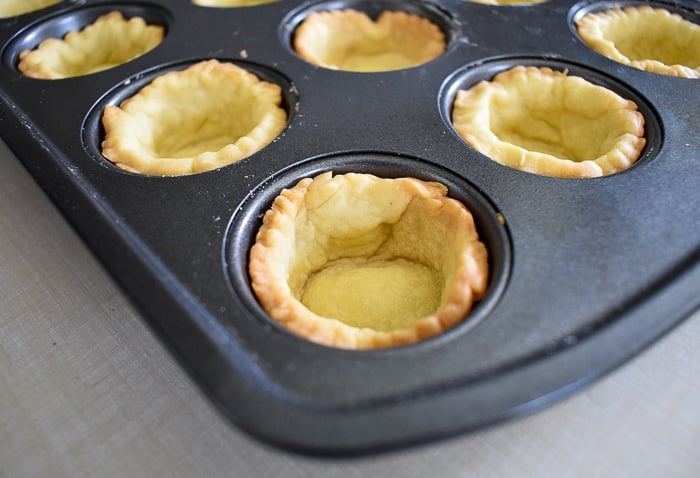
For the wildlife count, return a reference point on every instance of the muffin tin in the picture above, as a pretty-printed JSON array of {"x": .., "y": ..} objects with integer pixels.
[{"x": 585, "y": 273}]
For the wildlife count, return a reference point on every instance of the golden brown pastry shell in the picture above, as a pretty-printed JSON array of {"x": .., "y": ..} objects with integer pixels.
[
  {"x": 205, "y": 117},
  {"x": 550, "y": 123},
  {"x": 442, "y": 231},
  {"x": 109, "y": 41},
  {"x": 646, "y": 38},
  {"x": 350, "y": 40}
]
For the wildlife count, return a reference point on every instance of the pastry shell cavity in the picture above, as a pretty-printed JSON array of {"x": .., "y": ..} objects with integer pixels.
[
  {"x": 108, "y": 42},
  {"x": 550, "y": 123},
  {"x": 11, "y": 8},
  {"x": 646, "y": 38},
  {"x": 204, "y": 117},
  {"x": 231, "y": 3},
  {"x": 350, "y": 40},
  {"x": 366, "y": 224}
]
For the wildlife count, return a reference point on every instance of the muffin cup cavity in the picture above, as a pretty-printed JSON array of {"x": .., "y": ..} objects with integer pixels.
[
  {"x": 555, "y": 159},
  {"x": 654, "y": 37},
  {"x": 490, "y": 227},
  {"x": 362, "y": 36},
  {"x": 87, "y": 40},
  {"x": 207, "y": 149}
]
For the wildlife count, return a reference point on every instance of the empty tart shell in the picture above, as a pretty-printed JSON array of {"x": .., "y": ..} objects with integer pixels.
[
  {"x": 231, "y": 3},
  {"x": 108, "y": 42},
  {"x": 360, "y": 262},
  {"x": 646, "y": 38},
  {"x": 11, "y": 8},
  {"x": 204, "y": 117},
  {"x": 350, "y": 40},
  {"x": 550, "y": 123}
]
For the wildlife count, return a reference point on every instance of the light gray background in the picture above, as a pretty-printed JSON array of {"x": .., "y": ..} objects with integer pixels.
[{"x": 86, "y": 390}]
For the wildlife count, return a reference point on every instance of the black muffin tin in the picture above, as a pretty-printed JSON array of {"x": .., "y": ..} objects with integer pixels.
[{"x": 585, "y": 272}]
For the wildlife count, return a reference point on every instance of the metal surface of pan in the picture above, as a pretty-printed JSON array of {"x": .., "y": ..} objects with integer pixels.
[{"x": 585, "y": 272}]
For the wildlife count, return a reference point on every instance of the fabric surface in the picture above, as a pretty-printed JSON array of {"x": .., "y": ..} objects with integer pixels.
[{"x": 87, "y": 390}]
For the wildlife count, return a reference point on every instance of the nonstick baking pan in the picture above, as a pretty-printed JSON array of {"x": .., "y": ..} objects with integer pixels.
[{"x": 585, "y": 273}]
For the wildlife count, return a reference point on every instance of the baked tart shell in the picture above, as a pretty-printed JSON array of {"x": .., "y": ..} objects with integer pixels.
[
  {"x": 350, "y": 40},
  {"x": 366, "y": 220},
  {"x": 550, "y": 123},
  {"x": 646, "y": 38},
  {"x": 205, "y": 117},
  {"x": 109, "y": 41}
]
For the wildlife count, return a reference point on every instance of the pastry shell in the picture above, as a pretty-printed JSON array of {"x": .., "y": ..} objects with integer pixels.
[
  {"x": 350, "y": 40},
  {"x": 11, "y": 8},
  {"x": 646, "y": 38},
  {"x": 360, "y": 220},
  {"x": 108, "y": 42},
  {"x": 204, "y": 117},
  {"x": 547, "y": 122}
]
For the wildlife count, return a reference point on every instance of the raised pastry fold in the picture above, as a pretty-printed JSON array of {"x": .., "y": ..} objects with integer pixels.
[
  {"x": 11, "y": 8},
  {"x": 204, "y": 117},
  {"x": 646, "y": 38},
  {"x": 549, "y": 123},
  {"x": 350, "y": 40},
  {"x": 108, "y": 42},
  {"x": 231, "y": 3},
  {"x": 357, "y": 261}
]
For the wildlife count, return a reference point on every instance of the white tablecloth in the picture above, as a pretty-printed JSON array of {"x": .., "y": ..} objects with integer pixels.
[{"x": 86, "y": 390}]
